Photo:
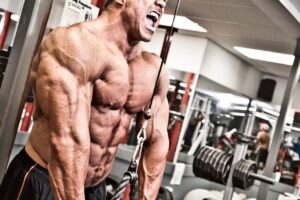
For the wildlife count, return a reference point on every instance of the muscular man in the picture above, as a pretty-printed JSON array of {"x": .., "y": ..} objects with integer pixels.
[
  {"x": 262, "y": 145},
  {"x": 89, "y": 80},
  {"x": 263, "y": 137}
]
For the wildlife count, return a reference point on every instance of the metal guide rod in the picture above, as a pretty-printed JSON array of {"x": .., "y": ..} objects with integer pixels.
[
  {"x": 278, "y": 133},
  {"x": 13, "y": 91},
  {"x": 239, "y": 153}
]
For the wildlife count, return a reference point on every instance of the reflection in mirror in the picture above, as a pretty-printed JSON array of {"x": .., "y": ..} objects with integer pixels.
[{"x": 217, "y": 116}]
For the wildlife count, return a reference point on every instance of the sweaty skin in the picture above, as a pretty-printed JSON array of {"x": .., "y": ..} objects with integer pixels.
[{"x": 89, "y": 80}]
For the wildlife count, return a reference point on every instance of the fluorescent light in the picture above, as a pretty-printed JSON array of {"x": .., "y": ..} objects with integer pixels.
[
  {"x": 181, "y": 22},
  {"x": 293, "y": 6},
  {"x": 274, "y": 113},
  {"x": 237, "y": 114},
  {"x": 267, "y": 56},
  {"x": 15, "y": 17},
  {"x": 244, "y": 108}
]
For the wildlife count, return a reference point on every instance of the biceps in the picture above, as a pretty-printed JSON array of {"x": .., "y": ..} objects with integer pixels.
[
  {"x": 63, "y": 102},
  {"x": 53, "y": 93},
  {"x": 159, "y": 125},
  {"x": 161, "y": 116}
]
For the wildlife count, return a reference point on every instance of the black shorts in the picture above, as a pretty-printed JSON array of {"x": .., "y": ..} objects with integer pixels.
[{"x": 26, "y": 180}]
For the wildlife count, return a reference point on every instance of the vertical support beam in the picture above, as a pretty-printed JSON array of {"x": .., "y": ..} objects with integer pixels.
[
  {"x": 278, "y": 134},
  {"x": 239, "y": 153},
  {"x": 175, "y": 132},
  {"x": 187, "y": 117},
  {"x": 188, "y": 113},
  {"x": 14, "y": 89},
  {"x": 3, "y": 34}
]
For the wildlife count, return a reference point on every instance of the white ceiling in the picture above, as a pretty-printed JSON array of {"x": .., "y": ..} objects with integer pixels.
[{"x": 259, "y": 24}]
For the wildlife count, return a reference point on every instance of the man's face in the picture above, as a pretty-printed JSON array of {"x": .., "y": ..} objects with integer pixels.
[{"x": 143, "y": 17}]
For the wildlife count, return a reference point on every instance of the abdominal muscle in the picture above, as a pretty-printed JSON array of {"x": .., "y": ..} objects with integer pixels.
[{"x": 107, "y": 129}]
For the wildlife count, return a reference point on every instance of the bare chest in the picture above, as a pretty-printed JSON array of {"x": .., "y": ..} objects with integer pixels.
[{"x": 129, "y": 89}]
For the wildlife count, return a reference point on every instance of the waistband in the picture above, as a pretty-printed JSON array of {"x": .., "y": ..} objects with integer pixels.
[{"x": 28, "y": 162}]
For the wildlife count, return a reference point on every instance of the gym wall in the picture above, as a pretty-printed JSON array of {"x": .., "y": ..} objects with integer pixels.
[
  {"x": 13, "y": 6},
  {"x": 10, "y": 35},
  {"x": 189, "y": 53},
  {"x": 185, "y": 54},
  {"x": 226, "y": 69}
]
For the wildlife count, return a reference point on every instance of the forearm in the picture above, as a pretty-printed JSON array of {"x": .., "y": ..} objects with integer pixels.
[
  {"x": 68, "y": 169},
  {"x": 152, "y": 167}
]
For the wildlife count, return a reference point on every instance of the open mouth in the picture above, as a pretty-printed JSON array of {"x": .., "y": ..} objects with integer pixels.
[{"x": 152, "y": 18}]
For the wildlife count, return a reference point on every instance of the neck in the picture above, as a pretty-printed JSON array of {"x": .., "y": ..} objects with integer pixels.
[{"x": 110, "y": 27}]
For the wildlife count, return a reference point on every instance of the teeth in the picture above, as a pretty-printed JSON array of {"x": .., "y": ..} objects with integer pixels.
[{"x": 154, "y": 15}]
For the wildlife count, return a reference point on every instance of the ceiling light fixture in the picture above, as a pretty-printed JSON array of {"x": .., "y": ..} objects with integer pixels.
[
  {"x": 268, "y": 56},
  {"x": 181, "y": 22}
]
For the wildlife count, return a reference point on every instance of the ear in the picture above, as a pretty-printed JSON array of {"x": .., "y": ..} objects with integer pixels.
[{"x": 120, "y": 2}]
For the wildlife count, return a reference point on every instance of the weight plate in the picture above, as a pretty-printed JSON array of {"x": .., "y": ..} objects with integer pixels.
[
  {"x": 242, "y": 176},
  {"x": 196, "y": 169},
  {"x": 212, "y": 163},
  {"x": 220, "y": 167},
  {"x": 236, "y": 174},
  {"x": 215, "y": 165},
  {"x": 251, "y": 167},
  {"x": 205, "y": 162},
  {"x": 200, "y": 164},
  {"x": 226, "y": 168}
]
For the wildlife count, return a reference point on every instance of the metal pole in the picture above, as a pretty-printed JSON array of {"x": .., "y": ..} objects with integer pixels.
[
  {"x": 175, "y": 132},
  {"x": 187, "y": 117},
  {"x": 277, "y": 138},
  {"x": 14, "y": 89},
  {"x": 188, "y": 113},
  {"x": 239, "y": 153}
]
